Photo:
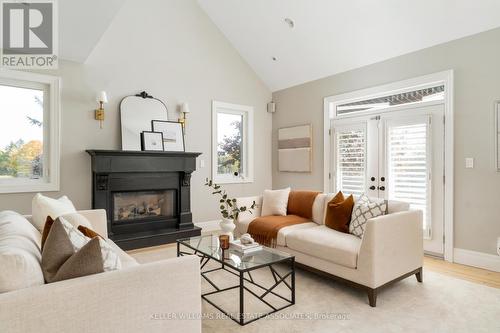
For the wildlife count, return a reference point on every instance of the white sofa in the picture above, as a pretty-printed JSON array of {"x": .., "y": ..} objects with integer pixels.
[
  {"x": 137, "y": 298},
  {"x": 390, "y": 249}
]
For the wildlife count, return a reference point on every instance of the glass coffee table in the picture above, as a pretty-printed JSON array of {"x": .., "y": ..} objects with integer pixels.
[{"x": 208, "y": 249}]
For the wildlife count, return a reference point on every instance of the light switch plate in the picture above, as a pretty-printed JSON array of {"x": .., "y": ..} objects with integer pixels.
[
  {"x": 202, "y": 163},
  {"x": 469, "y": 163}
]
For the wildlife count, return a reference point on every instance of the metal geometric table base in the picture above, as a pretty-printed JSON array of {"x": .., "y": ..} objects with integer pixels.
[{"x": 279, "y": 279}]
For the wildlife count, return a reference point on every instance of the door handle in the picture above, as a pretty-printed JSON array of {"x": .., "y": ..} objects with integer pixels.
[
  {"x": 381, "y": 188},
  {"x": 372, "y": 188}
]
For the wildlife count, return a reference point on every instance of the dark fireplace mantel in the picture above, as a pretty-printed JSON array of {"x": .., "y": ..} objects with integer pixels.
[{"x": 121, "y": 173}]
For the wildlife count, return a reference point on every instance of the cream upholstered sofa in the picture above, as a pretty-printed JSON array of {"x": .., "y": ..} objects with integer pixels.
[
  {"x": 390, "y": 249},
  {"x": 137, "y": 298}
]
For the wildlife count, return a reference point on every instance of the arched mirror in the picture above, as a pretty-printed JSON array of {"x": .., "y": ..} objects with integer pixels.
[{"x": 137, "y": 112}]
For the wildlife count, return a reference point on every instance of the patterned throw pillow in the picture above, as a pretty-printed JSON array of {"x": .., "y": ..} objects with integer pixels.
[{"x": 363, "y": 210}]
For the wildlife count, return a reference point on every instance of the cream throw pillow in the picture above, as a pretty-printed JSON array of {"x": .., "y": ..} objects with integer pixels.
[
  {"x": 77, "y": 219},
  {"x": 110, "y": 258},
  {"x": 20, "y": 257},
  {"x": 275, "y": 202},
  {"x": 42, "y": 206},
  {"x": 67, "y": 256}
]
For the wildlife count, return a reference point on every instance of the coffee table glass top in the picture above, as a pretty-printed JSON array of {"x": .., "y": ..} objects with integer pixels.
[{"x": 209, "y": 245}]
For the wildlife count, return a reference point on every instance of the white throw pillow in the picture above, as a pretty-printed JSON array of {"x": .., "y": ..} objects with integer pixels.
[
  {"x": 20, "y": 257},
  {"x": 363, "y": 210},
  {"x": 43, "y": 206},
  {"x": 275, "y": 202},
  {"x": 110, "y": 259},
  {"x": 318, "y": 209},
  {"x": 76, "y": 219}
]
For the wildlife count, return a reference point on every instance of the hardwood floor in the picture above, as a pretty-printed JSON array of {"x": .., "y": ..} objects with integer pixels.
[{"x": 473, "y": 274}]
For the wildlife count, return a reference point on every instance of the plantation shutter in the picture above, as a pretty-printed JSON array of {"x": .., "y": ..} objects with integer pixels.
[
  {"x": 408, "y": 165},
  {"x": 351, "y": 159}
]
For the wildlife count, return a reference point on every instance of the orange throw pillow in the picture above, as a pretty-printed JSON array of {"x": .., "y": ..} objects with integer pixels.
[
  {"x": 46, "y": 228},
  {"x": 338, "y": 213},
  {"x": 88, "y": 232}
]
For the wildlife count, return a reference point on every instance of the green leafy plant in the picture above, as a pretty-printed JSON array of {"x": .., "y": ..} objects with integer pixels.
[{"x": 227, "y": 206}]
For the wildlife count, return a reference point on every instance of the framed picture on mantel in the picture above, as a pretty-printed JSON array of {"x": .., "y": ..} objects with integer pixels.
[
  {"x": 173, "y": 137},
  {"x": 151, "y": 141}
]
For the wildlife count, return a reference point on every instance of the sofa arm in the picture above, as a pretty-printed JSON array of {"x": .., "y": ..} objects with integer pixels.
[
  {"x": 392, "y": 246},
  {"x": 142, "y": 298},
  {"x": 98, "y": 220}
]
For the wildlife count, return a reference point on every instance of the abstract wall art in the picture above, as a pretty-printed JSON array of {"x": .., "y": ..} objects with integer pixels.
[{"x": 295, "y": 149}]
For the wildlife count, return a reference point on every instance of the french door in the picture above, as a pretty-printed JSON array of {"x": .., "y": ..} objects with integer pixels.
[{"x": 395, "y": 155}]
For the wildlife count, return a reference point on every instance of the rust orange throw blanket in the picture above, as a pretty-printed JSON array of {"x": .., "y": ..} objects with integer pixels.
[{"x": 264, "y": 229}]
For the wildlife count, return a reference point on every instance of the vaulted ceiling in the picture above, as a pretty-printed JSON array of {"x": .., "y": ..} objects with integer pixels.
[
  {"x": 81, "y": 25},
  {"x": 333, "y": 36},
  {"x": 328, "y": 36}
]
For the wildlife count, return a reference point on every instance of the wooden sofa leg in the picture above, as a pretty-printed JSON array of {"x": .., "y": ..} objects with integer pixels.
[
  {"x": 372, "y": 297},
  {"x": 420, "y": 275}
]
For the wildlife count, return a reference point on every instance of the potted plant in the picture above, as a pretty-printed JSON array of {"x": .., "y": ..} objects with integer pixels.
[{"x": 228, "y": 208}]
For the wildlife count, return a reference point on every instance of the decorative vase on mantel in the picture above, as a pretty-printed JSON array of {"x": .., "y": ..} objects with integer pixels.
[{"x": 227, "y": 226}]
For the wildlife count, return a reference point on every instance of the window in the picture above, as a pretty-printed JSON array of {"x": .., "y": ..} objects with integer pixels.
[
  {"x": 403, "y": 98},
  {"x": 232, "y": 143},
  {"x": 351, "y": 159},
  {"x": 29, "y": 132}
]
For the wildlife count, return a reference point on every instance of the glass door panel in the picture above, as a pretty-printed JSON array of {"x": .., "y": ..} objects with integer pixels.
[
  {"x": 408, "y": 166},
  {"x": 350, "y": 158}
]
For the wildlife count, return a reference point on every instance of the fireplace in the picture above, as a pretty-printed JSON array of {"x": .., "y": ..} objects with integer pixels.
[{"x": 146, "y": 195}]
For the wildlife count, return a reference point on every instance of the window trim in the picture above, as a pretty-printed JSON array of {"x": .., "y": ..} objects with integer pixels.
[
  {"x": 51, "y": 133},
  {"x": 247, "y": 138}
]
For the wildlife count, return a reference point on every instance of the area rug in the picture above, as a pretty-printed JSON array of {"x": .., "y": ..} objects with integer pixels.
[{"x": 440, "y": 304}]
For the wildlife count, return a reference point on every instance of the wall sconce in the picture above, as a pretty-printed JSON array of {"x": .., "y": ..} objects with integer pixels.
[
  {"x": 184, "y": 111},
  {"x": 102, "y": 98}
]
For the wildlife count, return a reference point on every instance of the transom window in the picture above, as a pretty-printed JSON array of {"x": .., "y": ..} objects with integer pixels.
[
  {"x": 29, "y": 139},
  {"x": 409, "y": 97},
  {"x": 232, "y": 140}
]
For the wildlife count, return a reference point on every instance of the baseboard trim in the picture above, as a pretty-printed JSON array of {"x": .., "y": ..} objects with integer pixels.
[
  {"x": 208, "y": 226},
  {"x": 477, "y": 259}
]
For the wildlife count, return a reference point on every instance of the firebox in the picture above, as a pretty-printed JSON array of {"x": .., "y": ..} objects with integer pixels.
[
  {"x": 146, "y": 195},
  {"x": 132, "y": 206}
]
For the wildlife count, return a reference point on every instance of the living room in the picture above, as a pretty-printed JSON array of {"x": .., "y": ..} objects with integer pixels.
[{"x": 217, "y": 165}]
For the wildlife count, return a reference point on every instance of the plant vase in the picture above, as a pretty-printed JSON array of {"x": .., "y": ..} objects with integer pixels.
[{"x": 227, "y": 226}]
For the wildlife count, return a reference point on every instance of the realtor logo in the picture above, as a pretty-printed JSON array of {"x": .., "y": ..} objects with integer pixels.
[{"x": 29, "y": 34}]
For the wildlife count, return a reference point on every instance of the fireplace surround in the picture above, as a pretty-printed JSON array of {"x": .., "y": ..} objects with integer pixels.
[{"x": 146, "y": 195}]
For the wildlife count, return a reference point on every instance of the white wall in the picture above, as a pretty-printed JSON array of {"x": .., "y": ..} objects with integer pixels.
[
  {"x": 476, "y": 63},
  {"x": 173, "y": 51}
]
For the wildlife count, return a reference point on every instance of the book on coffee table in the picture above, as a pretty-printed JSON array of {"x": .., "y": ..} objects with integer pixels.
[{"x": 245, "y": 248}]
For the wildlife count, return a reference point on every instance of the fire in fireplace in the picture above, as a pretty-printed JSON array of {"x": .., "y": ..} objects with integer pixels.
[{"x": 134, "y": 205}]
